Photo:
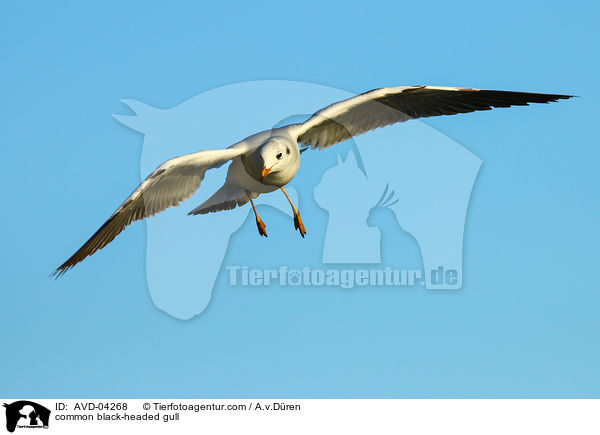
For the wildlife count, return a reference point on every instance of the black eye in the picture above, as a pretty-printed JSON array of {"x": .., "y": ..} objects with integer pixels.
[
  {"x": 279, "y": 156},
  {"x": 287, "y": 150}
]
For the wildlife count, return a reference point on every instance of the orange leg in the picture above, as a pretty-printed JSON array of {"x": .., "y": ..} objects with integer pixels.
[
  {"x": 297, "y": 220},
  {"x": 262, "y": 228}
]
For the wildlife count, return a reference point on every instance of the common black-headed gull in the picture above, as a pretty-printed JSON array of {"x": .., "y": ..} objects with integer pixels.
[{"x": 267, "y": 161}]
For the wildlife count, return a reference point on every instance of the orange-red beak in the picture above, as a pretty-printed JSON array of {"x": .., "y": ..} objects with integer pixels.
[{"x": 264, "y": 173}]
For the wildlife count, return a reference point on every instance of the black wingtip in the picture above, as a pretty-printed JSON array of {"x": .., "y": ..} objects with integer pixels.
[
  {"x": 565, "y": 97},
  {"x": 60, "y": 271}
]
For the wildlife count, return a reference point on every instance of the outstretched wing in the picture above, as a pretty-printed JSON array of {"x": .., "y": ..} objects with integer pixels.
[
  {"x": 380, "y": 107},
  {"x": 172, "y": 182}
]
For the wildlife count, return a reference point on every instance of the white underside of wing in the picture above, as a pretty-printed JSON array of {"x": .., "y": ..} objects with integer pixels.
[
  {"x": 176, "y": 180},
  {"x": 337, "y": 109},
  {"x": 172, "y": 182}
]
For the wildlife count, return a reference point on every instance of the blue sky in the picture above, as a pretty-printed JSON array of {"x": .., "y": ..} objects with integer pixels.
[{"x": 524, "y": 324}]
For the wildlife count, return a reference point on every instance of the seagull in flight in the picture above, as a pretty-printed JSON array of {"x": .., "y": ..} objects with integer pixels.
[{"x": 267, "y": 161}]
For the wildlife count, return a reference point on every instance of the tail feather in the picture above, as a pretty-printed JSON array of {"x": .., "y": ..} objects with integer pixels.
[{"x": 226, "y": 198}]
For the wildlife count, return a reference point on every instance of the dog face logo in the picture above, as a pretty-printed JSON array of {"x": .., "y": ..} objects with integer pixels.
[{"x": 26, "y": 414}]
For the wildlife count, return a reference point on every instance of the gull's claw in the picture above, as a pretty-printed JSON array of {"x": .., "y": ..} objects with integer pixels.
[
  {"x": 297, "y": 221},
  {"x": 262, "y": 228},
  {"x": 298, "y": 224}
]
